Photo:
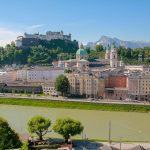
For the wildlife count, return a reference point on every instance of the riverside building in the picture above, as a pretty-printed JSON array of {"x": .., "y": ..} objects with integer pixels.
[
  {"x": 139, "y": 86},
  {"x": 85, "y": 79}
]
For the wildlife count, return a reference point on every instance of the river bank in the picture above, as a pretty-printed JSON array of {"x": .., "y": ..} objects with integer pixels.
[
  {"x": 130, "y": 126},
  {"x": 76, "y": 105}
]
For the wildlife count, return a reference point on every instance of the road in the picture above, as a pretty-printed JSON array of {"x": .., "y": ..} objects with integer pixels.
[
  {"x": 125, "y": 146},
  {"x": 103, "y": 101}
]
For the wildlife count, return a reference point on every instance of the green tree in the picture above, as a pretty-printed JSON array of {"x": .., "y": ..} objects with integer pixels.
[
  {"x": 99, "y": 48},
  {"x": 96, "y": 55},
  {"x": 42, "y": 53},
  {"x": 67, "y": 127},
  {"x": 39, "y": 125},
  {"x": 62, "y": 84},
  {"x": 25, "y": 146},
  {"x": 8, "y": 138}
]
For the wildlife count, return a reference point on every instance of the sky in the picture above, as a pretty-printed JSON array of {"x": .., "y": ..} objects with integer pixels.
[{"x": 86, "y": 20}]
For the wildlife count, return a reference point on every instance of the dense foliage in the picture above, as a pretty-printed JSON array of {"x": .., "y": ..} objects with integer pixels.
[
  {"x": 25, "y": 146},
  {"x": 8, "y": 138},
  {"x": 39, "y": 125},
  {"x": 46, "y": 147},
  {"x": 62, "y": 84},
  {"x": 130, "y": 56},
  {"x": 67, "y": 127},
  {"x": 47, "y": 51},
  {"x": 96, "y": 53},
  {"x": 44, "y": 53}
]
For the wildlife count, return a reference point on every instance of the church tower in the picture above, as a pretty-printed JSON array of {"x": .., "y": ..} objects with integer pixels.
[
  {"x": 107, "y": 54},
  {"x": 140, "y": 57},
  {"x": 113, "y": 57}
]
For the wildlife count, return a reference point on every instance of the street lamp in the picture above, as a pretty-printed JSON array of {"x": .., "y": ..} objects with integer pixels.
[
  {"x": 70, "y": 139},
  {"x": 139, "y": 131},
  {"x": 82, "y": 136},
  {"x": 109, "y": 132},
  {"x": 120, "y": 142}
]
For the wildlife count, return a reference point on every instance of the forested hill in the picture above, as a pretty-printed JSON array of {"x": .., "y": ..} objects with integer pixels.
[
  {"x": 47, "y": 51},
  {"x": 44, "y": 53}
]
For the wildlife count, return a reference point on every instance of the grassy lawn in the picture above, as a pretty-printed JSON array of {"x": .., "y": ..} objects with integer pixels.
[{"x": 75, "y": 105}]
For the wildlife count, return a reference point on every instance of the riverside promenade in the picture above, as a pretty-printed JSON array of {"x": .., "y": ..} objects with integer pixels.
[{"x": 103, "y": 101}]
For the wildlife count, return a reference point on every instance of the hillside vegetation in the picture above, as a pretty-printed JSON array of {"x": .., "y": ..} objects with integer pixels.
[
  {"x": 44, "y": 53},
  {"x": 48, "y": 51}
]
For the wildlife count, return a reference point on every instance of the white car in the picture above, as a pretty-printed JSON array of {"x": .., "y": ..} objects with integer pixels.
[{"x": 91, "y": 99}]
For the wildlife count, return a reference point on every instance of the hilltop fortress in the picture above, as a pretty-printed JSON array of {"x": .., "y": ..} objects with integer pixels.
[{"x": 33, "y": 39}]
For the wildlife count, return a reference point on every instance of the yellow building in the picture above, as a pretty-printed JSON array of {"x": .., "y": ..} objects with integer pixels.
[
  {"x": 139, "y": 86},
  {"x": 83, "y": 84}
]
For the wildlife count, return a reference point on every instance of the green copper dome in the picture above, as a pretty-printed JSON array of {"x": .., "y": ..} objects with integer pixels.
[{"x": 81, "y": 52}]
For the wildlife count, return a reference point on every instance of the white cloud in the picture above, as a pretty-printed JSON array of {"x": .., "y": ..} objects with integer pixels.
[
  {"x": 35, "y": 26},
  {"x": 8, "y": 35}
]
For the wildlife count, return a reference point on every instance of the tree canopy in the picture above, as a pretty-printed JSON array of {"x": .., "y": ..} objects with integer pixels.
[
  {"x": 39, "y": 125},
  {"x": 130, "y": 56},
  {"x": 99, "y": 48},
  {"x": 9, "y": 139},
  {"x": 44, "y": 53},
  {"x": 47, "y": 51},
  {"x": 62, "y": 84},
  {"x": 25, "y": 146},
  {"x": 96, "y": 53},
  {"x": 67, "y": 127}
]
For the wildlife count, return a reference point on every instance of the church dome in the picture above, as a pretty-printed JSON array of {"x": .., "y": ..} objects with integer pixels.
[{"x": 81, "y": 52}]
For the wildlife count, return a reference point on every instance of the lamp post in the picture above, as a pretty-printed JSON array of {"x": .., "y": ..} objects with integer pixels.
[
  {"x": 70, "y": 139},
  {"x": 109, "y": 132},
  {"x": 120, "y": 142},
  {"x": 82, "y": 136}
]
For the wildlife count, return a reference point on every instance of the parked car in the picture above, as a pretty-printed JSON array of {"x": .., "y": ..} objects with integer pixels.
[
  {"x": 91, "y": 99},
  {"x": 100, "y": 97}
]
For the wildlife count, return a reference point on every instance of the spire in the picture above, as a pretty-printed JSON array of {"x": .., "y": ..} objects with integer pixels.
[
  {"x": 81, "y": 45},
  {"x": 113, "y": 45},
  {"x": 108, "y": 47}
]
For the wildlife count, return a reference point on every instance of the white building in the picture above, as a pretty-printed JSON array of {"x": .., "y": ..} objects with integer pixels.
[
  {"x": 112, "y": 56},
  {"x": 7, "y": 76},
  {"x": 139, "y": 86},
  {"x": 38, "y": 74},
  {"x": 49, "y": 89},
  {"x": 137, "y": 67}
]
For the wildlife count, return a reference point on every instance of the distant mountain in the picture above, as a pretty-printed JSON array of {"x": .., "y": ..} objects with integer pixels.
[{"x": 105, "y": 40}]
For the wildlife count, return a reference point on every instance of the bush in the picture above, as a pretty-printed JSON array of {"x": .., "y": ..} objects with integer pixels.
[
  {"x": 24, "y": 146},
  {"x": 52, "y": 146},
  {"x": 9, "y": 139}
]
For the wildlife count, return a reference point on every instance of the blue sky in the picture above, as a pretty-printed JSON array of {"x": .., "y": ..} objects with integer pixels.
[{"x": 86, "y": 20}]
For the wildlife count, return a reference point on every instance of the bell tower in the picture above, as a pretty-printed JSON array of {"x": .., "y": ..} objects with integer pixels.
[{"x": 113, "y": 57}]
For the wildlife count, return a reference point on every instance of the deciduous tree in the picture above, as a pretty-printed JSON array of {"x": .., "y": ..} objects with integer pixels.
[
  {"x": 39, "y": 125},
  {"x": 9, "y": 139},
  {"x": 67, "y": 127},
  {"x": 62, "y": 84}
]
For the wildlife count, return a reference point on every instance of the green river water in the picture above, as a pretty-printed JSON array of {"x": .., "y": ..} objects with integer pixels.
[{"x": 129, "y": 126}]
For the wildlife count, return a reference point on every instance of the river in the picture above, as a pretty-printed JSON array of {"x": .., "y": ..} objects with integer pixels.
[{"x": 129, "y": 126}]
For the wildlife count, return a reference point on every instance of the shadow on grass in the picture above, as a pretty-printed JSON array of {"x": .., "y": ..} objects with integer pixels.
[{"x": 80, "y": 144}]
